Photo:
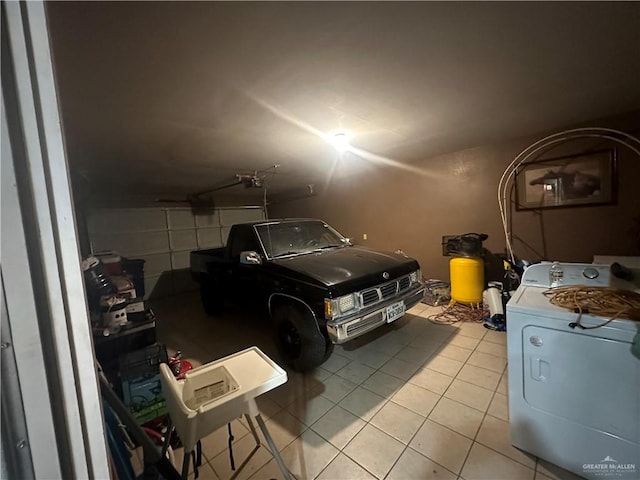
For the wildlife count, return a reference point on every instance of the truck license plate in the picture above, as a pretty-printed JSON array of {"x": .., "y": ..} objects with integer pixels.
[{"x": 395, "y": 311}]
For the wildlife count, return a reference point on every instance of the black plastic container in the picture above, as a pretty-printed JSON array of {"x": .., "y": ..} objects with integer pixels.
[
  {"x": 97, "y": 282},
  {"x": 135, "y": 268}
]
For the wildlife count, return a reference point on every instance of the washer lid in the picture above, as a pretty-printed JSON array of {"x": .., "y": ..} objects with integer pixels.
[{"x": 531, "y": 301}]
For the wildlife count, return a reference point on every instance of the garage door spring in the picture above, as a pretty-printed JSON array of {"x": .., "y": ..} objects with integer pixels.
[{"x": 602, "y": 301}]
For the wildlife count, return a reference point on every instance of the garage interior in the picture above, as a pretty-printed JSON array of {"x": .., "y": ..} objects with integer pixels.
[{"x": 181, "y": 119}]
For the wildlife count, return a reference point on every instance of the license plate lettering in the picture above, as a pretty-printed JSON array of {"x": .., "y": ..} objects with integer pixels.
[{"x": 395, "y": 311}]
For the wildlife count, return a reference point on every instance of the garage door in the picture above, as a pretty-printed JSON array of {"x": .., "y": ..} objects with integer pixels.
[{"x": 163, "y": 238}]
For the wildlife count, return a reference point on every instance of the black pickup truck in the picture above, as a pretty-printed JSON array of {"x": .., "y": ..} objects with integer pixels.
[{"x": 319, "y": 289}]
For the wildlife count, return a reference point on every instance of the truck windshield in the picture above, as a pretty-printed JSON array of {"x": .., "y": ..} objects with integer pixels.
[{"x": 294, "y": 238}]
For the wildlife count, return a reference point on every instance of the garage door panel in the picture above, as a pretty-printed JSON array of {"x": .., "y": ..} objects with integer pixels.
[
  {"x": 177, "y": 219},
  {"x": 231, "y": 216},
  {"x": 156, "y": 264},
  {"x": 183, "y": 240},
  {"x": 209, "y": 238},
  {"x": 180, "y": 260},
  {"x": 127, "y": 220},
  {"x": 225, "y": 234},
  {"x": 210, "y": 219}
]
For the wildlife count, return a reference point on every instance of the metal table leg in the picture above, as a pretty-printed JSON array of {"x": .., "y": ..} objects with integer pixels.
[
  {"x": 185, "y": 465},
  {"x": 274, "y": 450}
]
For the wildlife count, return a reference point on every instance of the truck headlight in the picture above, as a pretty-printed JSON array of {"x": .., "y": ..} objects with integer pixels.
[
  {"x": 334, "y": 307},
  {"x": 415, "y": 277},
  {"x": 346, "y": 303}
]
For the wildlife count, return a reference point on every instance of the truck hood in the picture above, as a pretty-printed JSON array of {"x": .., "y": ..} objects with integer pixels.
[{"x": 353, "y": 266}]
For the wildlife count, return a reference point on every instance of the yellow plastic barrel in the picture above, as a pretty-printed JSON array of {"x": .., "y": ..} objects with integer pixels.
[{"x": 467, "y": 279}]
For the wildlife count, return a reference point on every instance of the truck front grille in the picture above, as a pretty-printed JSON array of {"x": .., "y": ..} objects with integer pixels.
[
  {"x": 364, "y": 324},
  {"x": 371, "y": 296},
  {"x": 389, "y": 289}
]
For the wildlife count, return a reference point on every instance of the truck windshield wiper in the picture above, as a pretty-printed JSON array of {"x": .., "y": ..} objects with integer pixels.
[
  {"x": 287, "y": 254},
  {"x": 326, "y": 247}
]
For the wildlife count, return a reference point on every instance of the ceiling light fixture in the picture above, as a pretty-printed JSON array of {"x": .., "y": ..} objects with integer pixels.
[{"x": 340, "y": 141}]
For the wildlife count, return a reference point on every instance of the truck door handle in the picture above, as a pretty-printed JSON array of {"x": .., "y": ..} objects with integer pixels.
[{"x": 540, "y": 369}]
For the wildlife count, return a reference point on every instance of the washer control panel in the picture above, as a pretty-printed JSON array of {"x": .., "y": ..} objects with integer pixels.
[{"x": 573, "y": 274}]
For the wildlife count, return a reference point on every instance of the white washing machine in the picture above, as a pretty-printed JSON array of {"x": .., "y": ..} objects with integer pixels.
[{"x": 574, "y": 394}]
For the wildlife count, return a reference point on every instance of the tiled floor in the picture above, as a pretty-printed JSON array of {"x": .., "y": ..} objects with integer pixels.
[{"x": 411, "y": 400}]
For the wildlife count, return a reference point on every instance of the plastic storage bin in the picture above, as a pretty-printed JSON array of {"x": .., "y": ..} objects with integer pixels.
[{"x": 141, "y": 382}]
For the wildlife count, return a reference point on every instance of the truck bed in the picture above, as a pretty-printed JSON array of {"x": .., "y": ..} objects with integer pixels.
[{"x": 201, "y": 259}]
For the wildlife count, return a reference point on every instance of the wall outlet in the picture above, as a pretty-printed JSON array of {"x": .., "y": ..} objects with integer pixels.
[{"x": 364, "y": 236}]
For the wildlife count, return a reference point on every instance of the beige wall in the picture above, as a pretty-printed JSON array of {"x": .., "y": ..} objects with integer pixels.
[{"x": 457, "y": 193}]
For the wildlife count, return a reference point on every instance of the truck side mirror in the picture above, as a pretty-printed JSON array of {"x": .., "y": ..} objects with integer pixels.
[{"x": 250, "y": 258}]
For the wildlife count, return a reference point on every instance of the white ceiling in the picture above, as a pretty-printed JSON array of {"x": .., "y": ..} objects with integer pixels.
[{"x": 165, "y": 99}]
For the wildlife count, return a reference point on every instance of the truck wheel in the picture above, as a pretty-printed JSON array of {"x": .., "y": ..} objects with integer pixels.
[
  {"x": 300, "y": 343},
  {"x": 328, "y": 349},
  {"x": 210, "y": 296}
]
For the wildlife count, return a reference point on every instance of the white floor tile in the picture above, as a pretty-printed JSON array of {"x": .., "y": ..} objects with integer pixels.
[
  {"x": 485, "y": 464},
  {"x": 465, "y": 342},
  {"x": 434, "y": 333},
  {"x": 305, "y": 458},
  {"x": 205, "y": 472},
  {"x": 222, "y": 466},
  {"x": 497, "y": 349},
  {"x": 472, "y": 329},
  {"x": 374, "y": 450},
  {"x": 469, "y": 394},
  {"x": 503, "y": 385},
  {"x": 338, "y": 426},
  {"x": 356, "y": 372},
  {"x": 372, "y": 358},
  {"x": 398, "y": 421},
  {"x": 318, "y": 373},
  {"x": 268, "y": 408},
  {"x": 479, "y": 376},
  {"x": 309, "y": 409},
  {"x": 335, "y": 362},
  {"x": 283, "y": 428},
  {"x": 383, "y": 384},
  {"x": 499, "y": 407},
  {"x": 444, "y": 365},
  {"x": 343, "y": 468},
  {"x": 494, "y": 433},
  {"x": 455, "y": 352},
  {"x": 218, "y": 441},
  {"x": 335, "y": 388},
  {"x": 541, "y": 476},
  {"x": 431, "y": 380},
  {"x": 441, "y": 445},
  {"x": 417, "y": 355},
  {"x": 553, "y": 471},
  {"x": 416, "y": 399},
  {"x": 496, "y": 337},
  {"x": 387, "y": 344},
  {"x": 489, "y": 362},
  {"x": 285, "y": 394},
  {"x": 363, "y": 403},
  {"x": 399, "y": 368},
  {"x": 456, "y": 416},
  {"x": 413, "y": 466}
]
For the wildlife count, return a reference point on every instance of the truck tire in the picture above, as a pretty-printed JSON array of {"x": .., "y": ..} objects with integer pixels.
[
  {"x": 299, "y": 341},
  {"x": 328, "y": 349},
  {"x": 210, "y": 297}
]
